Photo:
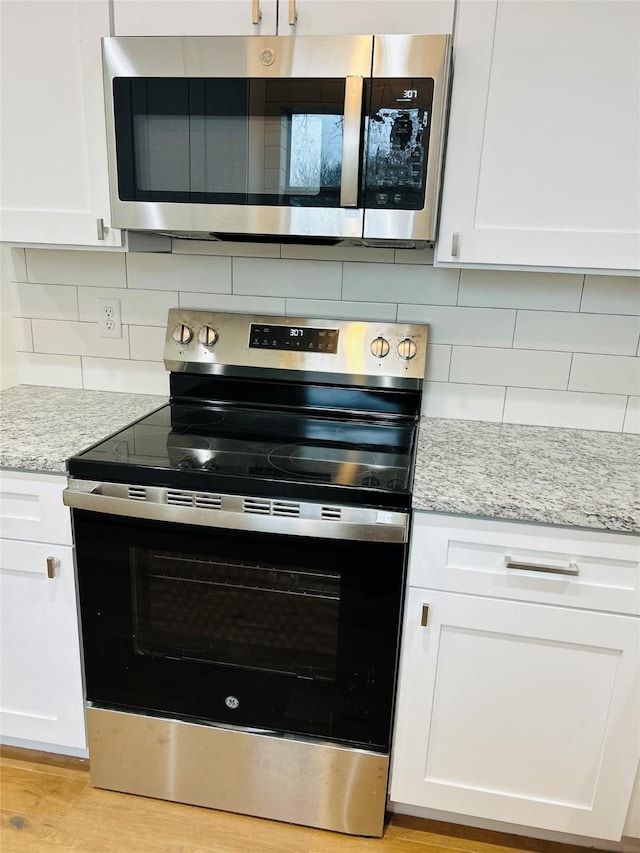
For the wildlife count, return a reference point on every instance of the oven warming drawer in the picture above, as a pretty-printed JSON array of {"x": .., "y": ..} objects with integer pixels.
[{"x": 279, "y": 777}]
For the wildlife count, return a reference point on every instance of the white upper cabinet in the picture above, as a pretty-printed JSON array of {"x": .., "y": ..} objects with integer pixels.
[
  {"x": 361, "y": 17},
  {"x": 281, "y": 17},
  {"x": 542, "y": 161},
  {"x": 53, "y": 146},
  {"x": 195, "y": 17}
]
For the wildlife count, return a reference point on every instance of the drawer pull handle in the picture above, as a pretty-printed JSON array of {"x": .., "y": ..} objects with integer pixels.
[
  {"x": 52, "y": 564},
  {"x": 256, "y": 13},
  {"x": 425, "y": 615},
  {"x": 569, "y": 569}
]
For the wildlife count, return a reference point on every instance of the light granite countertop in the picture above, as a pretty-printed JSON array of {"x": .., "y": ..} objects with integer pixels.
[
  {"x": 40, "y": 427},
  {"x": 577, "y": 478},
  {"x": 573, "y": 477}
]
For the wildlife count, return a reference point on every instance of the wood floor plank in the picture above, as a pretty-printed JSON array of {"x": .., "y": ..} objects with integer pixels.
[
  {"x": 133, "y": 824},
  {"x": 52, "y": 808},
  {"x": 466, "y": 839}
]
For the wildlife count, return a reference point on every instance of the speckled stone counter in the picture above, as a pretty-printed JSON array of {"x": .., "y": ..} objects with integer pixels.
[
  {"x": 41, "y": 427},
  {"x": 578, "y": 478}
]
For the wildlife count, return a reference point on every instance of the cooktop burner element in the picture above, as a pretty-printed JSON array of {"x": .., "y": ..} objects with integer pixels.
[{"x": 336, "y": 423}]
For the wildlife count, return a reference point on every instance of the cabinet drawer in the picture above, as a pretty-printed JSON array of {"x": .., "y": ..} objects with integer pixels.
[
  {"x": 596, "y": 570},
  {"x": 31, "y": 508}
]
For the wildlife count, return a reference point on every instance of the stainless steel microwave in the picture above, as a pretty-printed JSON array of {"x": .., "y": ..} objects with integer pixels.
[{"x": 336, "y": 138}]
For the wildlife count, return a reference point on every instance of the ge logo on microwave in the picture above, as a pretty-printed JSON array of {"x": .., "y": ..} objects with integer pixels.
[{"x": 232, "y": 702}]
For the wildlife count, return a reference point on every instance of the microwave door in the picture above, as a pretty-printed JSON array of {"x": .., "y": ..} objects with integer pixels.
[{"x": 270, "y": 145}]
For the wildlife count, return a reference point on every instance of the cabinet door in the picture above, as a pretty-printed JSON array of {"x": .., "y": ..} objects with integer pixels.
[
  {"x": 54, "y": 159},
  {"x": 542, "y": 157},
  {"x": 518, "y": 712},
  {"x": 195, "y": 17},
  {"x": 360, "y": 17},
  {"x": 41, "y": 696}
]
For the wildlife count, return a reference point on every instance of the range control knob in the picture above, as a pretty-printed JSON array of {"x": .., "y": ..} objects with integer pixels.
[
  {"x": 182, "y": 334},
  {"x": 380, "y": 347},
  {"x": 207, "y": 336},
  {"x": 407, "y": 349}
]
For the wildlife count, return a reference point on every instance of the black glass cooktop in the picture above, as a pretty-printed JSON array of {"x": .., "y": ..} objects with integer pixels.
[{"x": 252, "y": 451}]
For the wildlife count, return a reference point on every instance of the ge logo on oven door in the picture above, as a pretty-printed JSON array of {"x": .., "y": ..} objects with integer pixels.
[{"x": 232, "y": 702}]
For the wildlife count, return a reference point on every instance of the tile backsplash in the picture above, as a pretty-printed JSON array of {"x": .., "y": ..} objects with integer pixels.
[{"x": 521, "y": 347}]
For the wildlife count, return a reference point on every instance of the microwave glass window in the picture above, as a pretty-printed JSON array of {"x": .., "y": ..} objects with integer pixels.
[
  {"x": 315, "y": 152},
  {"x": 229, "y": 141},
  {"x": 397, "y": 128}
]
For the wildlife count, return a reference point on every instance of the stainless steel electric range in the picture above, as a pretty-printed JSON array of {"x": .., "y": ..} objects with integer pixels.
[{"x": 241, "y": 556}]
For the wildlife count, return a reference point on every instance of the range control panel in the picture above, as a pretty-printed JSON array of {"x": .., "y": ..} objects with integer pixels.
[{"x": 203, "y": 340}]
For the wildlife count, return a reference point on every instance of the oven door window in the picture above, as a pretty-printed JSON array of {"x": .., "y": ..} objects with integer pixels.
[
  {"x": 284, "y": 633},
  {"x": 279, "y": 619},
  {"x": 229, "y": 141}
]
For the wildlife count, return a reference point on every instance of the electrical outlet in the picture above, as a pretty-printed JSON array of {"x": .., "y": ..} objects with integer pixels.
[{"x": 109, "y": 323}]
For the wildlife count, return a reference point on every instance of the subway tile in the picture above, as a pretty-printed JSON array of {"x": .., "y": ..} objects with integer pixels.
[
  {"x": 463, "y": 326},
  {"x": 225, "y": 248},
  {"x": 303, "y": 279},
  {"x": 511, "y": 289},
  {"x": 36, "y": 368},
  {"x": 338, "y": 253},
  {"x": 90, "y": 269},
  {"x": 524, "y": 368},
  {"x": 135, "y": 377},
  {"x": 414, "y": 256},
  {"x": 595, "y": 333},
  {"x": 605, "y": 374},
  {"x": 22, "y": 335},
  {"x": 68, "y": 338},
  {"x": 202, "y": 273},
  {"x": 565, "y": 409},
  {"x": 237, "y": 304},
  {"x": 341, "y": 310},
  {"x": 611, "y": 294},
  {"x": 466, "y": 402},
  {"x": 16, "y": 264},
  {"x": 147, "y": 343},
  {"x": 138, "y": 307},
  {"x": 400, "y": 283},
  {"x": 632, "y": 416},
  {"x": 47, "y": 301},
  {"x": 438, "y": 361}
]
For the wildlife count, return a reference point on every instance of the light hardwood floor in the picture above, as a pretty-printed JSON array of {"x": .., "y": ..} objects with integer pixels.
[{"x": 47, "y": 804}]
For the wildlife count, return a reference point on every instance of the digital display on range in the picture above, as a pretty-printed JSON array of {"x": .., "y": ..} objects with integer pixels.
[{"x": 301, "y": 338}]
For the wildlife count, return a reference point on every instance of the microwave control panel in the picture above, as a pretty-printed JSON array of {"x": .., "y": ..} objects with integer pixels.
[{"x": 397, "y": 141}]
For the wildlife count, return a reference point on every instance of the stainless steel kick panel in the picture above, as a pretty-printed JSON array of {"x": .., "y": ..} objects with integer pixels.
[
  {"x": 238, "y": 512},
  {"x": 266, "y": 775}
]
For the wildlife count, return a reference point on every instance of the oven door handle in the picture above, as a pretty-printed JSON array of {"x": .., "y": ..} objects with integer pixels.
[{"x": 238, "y": 512}]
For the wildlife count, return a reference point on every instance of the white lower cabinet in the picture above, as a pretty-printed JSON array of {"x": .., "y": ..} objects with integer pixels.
[
  {"x": 519, "y": 711},
  {"x": 41, "y": 695}
]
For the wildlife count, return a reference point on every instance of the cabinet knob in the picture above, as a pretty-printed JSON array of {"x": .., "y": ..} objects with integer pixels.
[
  {"x": 52, "y": 564},
  {"x": 425, "y": 615}
]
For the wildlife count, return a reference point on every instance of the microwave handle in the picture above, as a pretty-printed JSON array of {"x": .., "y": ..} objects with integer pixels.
[{"x": 351, "y": 141}]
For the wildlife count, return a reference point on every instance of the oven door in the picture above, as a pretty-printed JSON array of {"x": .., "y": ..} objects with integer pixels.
[
  {"x": 257, "y": 135},
  {"x": 286, "y": 633}
]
